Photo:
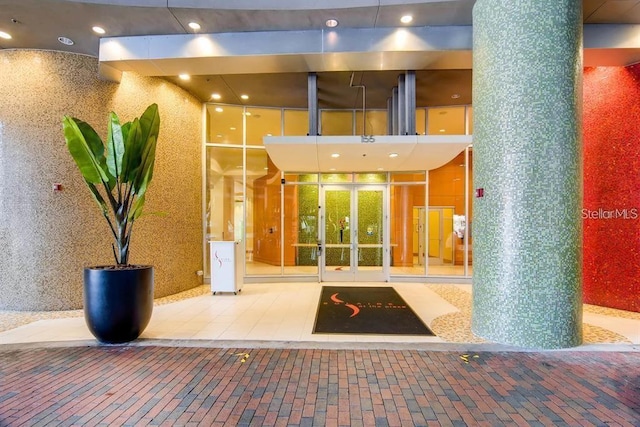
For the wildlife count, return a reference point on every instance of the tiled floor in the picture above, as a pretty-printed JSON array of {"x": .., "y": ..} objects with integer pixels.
[{"x": 286, "y": 313}]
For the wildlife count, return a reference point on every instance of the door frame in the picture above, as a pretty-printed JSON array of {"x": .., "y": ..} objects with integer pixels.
[{"x": 354, "y": 273}]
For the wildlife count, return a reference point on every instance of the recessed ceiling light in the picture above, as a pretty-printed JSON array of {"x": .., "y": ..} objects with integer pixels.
[
  {"x": 455, "y": 96},
  {"x": 380, "y": 169},
  {"x": 442, "y": 130},
  {"x": 245, "y": 97},
  {"x": 332, "y": 169},
  {"x": 194, "y": 26},
  {"x": 335, "y": 155},
  {"x": 215, "y": 96},
  {"x": 331, "y": 23},
  {"x": 392, "y": 155},
  {"x": 4, "y": 35},
  {"x": 269, "y": 134},
  {"x": 219, "y": 135},
  {"x": 98, "y": 30},
  {"x": 184, "y": 76},
  {"x": 219, "y": 109},
  {"x": 232, "y": 128},
  {"x": 66, "y": 41},
  {"x": 406, "y": 19},
  {"x": 248, "y": 113}
]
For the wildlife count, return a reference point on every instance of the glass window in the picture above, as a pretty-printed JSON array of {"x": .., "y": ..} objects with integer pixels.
[
  {"x": 376, "y": 123},
  {"x": 336, "y": 123},
  {"x": 296, "y": 122},
  {"x": 303, "y": 177},
  {"x": 224, "y": 124},
  {"x": 446, "y": 216},
  {"x": 336, "y": 177},
  {"x": 263, "y": 235},
  {"x": 262, "y": 122},
  {"x": 408, "y": 229},
  {"x": 301, "y": 229},
  {"x": 371, "y": 177},
  {"x": 470, "y": 119},
  {"x": 446, "y": 121},
  {"x": 408, "y": 177},
  {"x": 223, "y": 195},
  {"x": 421, "y": 121}
]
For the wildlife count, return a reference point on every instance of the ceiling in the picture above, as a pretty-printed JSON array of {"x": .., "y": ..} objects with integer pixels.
[{"x": 37, "y": 24}]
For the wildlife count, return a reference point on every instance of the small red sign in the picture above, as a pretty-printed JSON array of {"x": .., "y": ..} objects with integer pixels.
[{"x": 479, "y": 192}]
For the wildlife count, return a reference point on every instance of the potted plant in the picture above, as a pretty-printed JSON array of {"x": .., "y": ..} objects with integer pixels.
[{"x": 118, "y": 299}]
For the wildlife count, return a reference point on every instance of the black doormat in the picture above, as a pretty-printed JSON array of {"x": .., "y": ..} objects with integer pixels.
[{"x": 366, "y": 310}]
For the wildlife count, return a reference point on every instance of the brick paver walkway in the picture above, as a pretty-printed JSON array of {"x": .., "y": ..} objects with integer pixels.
[{"x": 137, "y": 385}]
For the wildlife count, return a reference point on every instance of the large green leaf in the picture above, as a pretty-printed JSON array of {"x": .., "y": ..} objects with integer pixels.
[
  {"x": 115, "y": 145},
  {"x": 132, "y": 151},
  {"x": 145, "y": 173},
  {"x": 150, "y": 123},
  {"x": 86, "y": 148}
]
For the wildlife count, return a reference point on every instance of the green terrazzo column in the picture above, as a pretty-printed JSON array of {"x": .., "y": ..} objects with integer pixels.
[{"x": 527, "y": 68}]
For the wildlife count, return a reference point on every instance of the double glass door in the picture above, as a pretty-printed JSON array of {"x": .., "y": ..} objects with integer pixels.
[{"x": 354, "y": 239}]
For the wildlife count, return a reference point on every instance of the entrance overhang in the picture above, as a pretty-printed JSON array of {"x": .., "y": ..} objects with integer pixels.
[{"x": 364, "y": 153}]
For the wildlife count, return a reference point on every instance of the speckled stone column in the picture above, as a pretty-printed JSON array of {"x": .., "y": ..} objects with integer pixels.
[{"x": 527, "y": 70}]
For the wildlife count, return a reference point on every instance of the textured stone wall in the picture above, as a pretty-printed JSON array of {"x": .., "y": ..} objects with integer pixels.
[
  {"x": 611, "y": 211},
  {"x": 527, "y": 228},
  {"x": 47, "y": 237}
]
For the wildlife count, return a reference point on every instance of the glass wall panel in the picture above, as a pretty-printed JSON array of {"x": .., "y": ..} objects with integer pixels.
[
  {"x": 296, "y": 122},
  {"x": 223, "y": 193},
  {"x": 446, "y": 216},
  {"x": 408, "y": 177},
  {"x": 470, "y": 119},
  {"x": 371, "y": 177},
  {"x": 336, "y": 177},
  {"x": 302, "y": 177},
  {"x": 224, "y": 124},
  {"x": 446, "y": 121},
  {"x": 262, "y": 122},
  {"x": 408, "y": 232},
  {"x": 421, "y": 121},
  {"x": 336, "y": 122},
  {"x": 301, "y": 229},
  {"x": 376, "y": 123},
  {"x": 263, "y": 240}
]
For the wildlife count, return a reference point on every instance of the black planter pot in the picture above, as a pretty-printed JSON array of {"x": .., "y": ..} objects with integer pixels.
[{"x": 118, "y": 302}]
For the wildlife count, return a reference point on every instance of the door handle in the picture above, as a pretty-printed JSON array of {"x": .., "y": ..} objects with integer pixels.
[{"x": 319, "y": 248}]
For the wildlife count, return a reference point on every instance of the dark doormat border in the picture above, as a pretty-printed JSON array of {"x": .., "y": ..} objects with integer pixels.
[{"x": 378, "y": 310}]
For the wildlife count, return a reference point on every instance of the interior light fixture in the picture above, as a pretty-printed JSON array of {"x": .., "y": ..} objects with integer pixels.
[
  {"x": 393, "y": 155},
  {"x": 332, "y": 169},
  {"x": 335, "y": 155},
  {"x": 442, "y": 130},
  {"x": 219, "y": 109},
  {"x": 232, "y": 128},
  {"x": 406, "y": 19},
  {"x": 248, "y": 113},
  {"x": 331, "y": 23},
  {"x": 380, "y": 169},
  {"x": 245, "y": 97},
  {"x": 194, "y": 26},
  {"x": 455, "y": 96},
  {"x": 98, "y": 30},
  {"x": 215, "y": 96},
  {"x": 5, "y": 36},
  {"x": 184, "y": 76},
  {"x": 66, "y": 41}
]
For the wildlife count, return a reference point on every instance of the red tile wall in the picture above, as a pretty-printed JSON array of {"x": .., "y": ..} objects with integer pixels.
[{"x": 611, "y": 208}]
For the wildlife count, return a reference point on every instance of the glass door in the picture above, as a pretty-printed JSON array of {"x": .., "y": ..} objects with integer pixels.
[{"x": 354, "y": 234}]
